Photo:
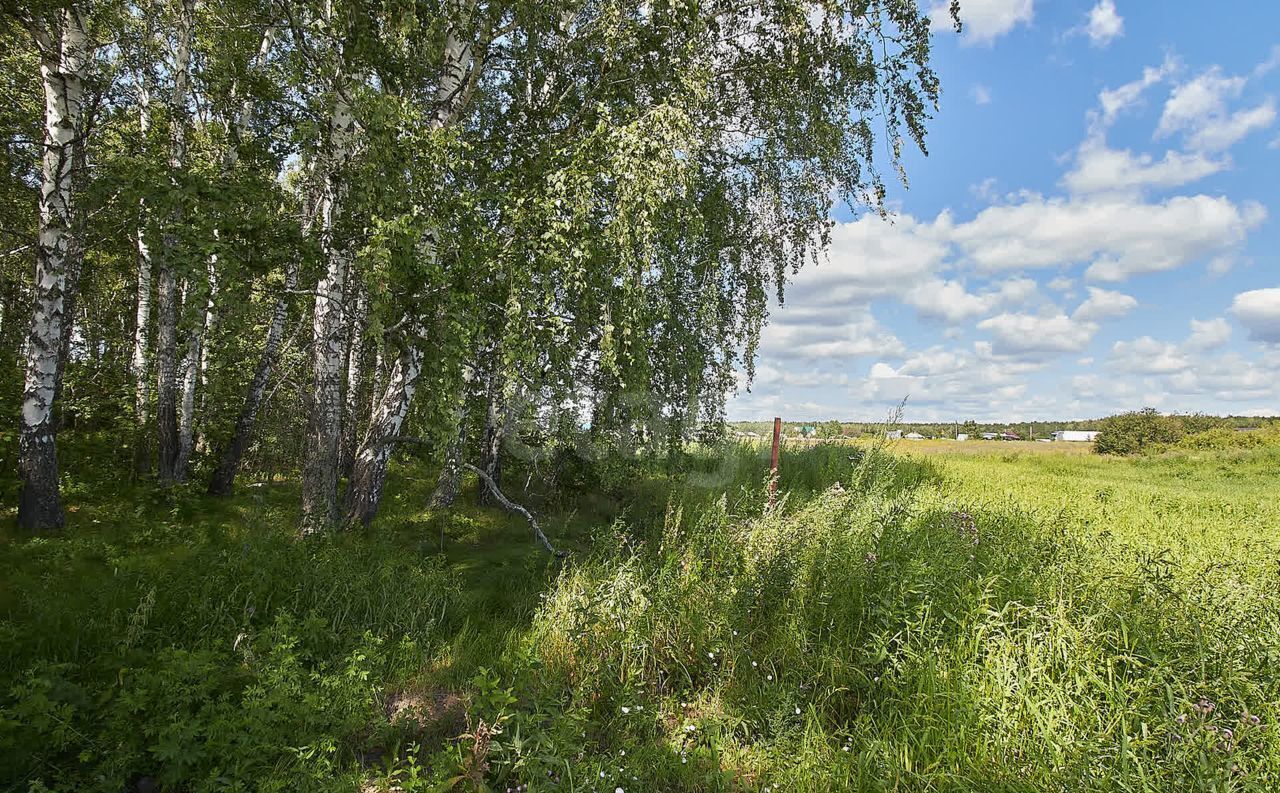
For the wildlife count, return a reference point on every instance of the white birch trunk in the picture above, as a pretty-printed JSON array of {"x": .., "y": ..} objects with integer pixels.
[
  {"x": 459, "y": 71},
  {"x": 324, "y": 433},
  {"x": 64, "y": 60},
  {"x": 167, "y": 422},
  {"x": 355, "y": 375},
  {"x": 142, "y": 315},
  {"x": 369, "y": 471}
]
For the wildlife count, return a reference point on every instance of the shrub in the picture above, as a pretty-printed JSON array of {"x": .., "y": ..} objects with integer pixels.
[{"x": 1146, "y": 429}]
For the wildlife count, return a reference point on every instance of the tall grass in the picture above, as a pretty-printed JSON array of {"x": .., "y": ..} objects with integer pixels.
[{"x": 978, "y": 623}]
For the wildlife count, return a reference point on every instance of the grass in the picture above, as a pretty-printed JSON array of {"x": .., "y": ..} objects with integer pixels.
[{"x": 945, "y": 619}]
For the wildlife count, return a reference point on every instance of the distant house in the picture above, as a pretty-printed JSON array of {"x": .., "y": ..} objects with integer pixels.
[
  {"x": 808, "y": 430},
  {"x": 913, "y": 436},
  {"x": 962, "y": 437},
  {"x": 893, "y": 435},
  {"x": 1075, "y": 436},
  {"x": 990, "y": 436}
]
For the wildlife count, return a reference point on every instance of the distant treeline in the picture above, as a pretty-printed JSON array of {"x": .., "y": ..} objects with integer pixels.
[{"x": 949, "y": 429}]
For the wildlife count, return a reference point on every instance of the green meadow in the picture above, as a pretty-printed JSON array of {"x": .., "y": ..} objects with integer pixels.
[{"x": 957, "y": 617}]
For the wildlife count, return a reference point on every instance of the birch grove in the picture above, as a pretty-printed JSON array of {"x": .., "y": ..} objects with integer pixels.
[{"x": 325, "y": 236}]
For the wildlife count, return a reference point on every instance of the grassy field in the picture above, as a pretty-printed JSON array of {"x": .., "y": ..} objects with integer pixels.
[{"x": 983, "y": 616}]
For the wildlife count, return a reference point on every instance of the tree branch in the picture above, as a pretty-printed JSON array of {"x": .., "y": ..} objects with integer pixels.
[{"x": 514, "y": 507}]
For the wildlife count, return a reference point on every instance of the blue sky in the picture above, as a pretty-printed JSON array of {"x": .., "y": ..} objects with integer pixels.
[{"x": 1096, "y": 228}]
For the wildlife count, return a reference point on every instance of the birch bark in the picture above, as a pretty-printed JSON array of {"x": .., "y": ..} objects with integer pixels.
[
  {"x": 324, "y": 431},
  {"x": 369, "y": 469},
  {"x": 459, "y": 73},
  {"x": 355, "y": 375},
  {"x": 167, "y": 427},
  {"x": 142, "y": 315},
  {"x": 64, "y": 60}
]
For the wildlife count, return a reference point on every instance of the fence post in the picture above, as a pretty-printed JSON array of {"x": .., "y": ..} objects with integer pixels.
[{"x": 773, "y": 461}]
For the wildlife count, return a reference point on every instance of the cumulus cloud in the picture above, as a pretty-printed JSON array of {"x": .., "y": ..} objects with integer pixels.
[
  {"x": 1199, "y": 109},
  {"x": 1208, "y": 334},
  {"x": 1104, "y": 304},
  {"x": 1033, "y": 336},
  {"x": 984, "y": 20},
  {"x": 842, "y": 334},
  {"x": 1119, "y": 237},
  {"x": 1147, "y": 356},
  {"x": 1259, "y": 311},
  {"x": 949, "y": 301},
  {"x": 1104, "y": 24},
  {"x": 1101, "y": 169},
  {"x": 980, "y": 94}
]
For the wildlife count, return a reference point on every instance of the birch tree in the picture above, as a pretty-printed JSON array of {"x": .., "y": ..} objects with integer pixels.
[{"x": 64, "y": 49}]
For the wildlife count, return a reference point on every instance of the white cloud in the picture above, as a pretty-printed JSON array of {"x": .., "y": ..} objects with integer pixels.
[
  {"x": 1031, "y": 335},
  {"x": 1192, "y": 101},
  {"x": 1113, "y": 101},
  {"x": 868, "y": 259},
  {"x": 984, "y": 20},
  {"x": 1104, "y": 304},
  {"x": 949, "y": 300},
  {"x": 1147, "y": 356},
  {"x": 1104, "y": 23},
  {"x": 1259, "y": 311},
  {"x": 1198, "y": 109},
  {"x": 1208, "y": 334},
  {"x": 839, "y": 333},
  {"x": 1062, "y": 284},
  {"x": 1120, "y": 237},
  {"x": 1101, "y": 169},
  {"x": 1223, "y": 133},
  {"x": 980, "y": 94}
]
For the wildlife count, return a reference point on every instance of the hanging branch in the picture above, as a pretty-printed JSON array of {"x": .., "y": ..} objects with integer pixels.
[{"x": 514, "y": 507}]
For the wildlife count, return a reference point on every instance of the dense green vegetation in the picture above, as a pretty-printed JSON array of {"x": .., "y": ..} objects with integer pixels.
[{"x": 973, "y": 622}]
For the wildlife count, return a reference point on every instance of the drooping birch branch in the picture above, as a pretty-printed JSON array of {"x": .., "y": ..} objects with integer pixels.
[{"x": 514, "y": 507}]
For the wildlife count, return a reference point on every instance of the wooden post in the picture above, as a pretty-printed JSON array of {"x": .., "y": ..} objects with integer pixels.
[{"x": 773, "y": 461}]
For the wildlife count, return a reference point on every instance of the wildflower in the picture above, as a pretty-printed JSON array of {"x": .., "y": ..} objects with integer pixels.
[
  {"x": 625, "y": 710},
  {"x": 689, "y": 728},
  {"x": 797, "y": 711},
  {"x": 1227, "y": 733},
  {"x": 619, "y": 790},
  {"x": 754, "y": 664},
  {"x": 1181, "y": 718},
  {"x": 768, "y": 677},
  {"x": 1255, "y": 721},
  {"x": 602, "y": 775}
]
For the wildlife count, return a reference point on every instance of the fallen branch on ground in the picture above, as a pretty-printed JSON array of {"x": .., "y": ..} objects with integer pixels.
[{"x": 514, "y": 507}]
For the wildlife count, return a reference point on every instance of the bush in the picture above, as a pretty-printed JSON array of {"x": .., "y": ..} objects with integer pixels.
[{"x": 1146, "y": 429}]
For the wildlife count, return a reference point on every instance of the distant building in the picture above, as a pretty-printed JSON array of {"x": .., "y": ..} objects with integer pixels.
[
  {"x": 893, "y": 435},
  {"x": 1075, "y": 436},
  {"x": 914, "y": 436},
  {"x": 962, "y": 437},
  {"x": 990, "y": 436},
  {"x": 808, "y": 430}
]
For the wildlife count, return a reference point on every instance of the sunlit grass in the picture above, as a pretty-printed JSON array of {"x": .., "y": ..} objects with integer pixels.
[{"x": 958, "y": 621}]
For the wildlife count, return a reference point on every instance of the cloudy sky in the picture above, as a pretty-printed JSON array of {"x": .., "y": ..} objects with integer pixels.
[{"x": 1096, "y": 228}]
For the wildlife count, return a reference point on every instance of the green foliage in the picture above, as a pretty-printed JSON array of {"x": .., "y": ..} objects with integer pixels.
[
  {"x": 962, "y": 622},
  {"x": 1147, "y": 429}
]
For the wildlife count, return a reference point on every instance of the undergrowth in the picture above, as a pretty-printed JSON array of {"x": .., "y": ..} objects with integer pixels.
[{"x": 888, "y": 624}]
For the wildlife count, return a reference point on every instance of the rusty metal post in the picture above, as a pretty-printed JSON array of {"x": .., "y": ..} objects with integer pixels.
[{"x": 773, "y": 461}]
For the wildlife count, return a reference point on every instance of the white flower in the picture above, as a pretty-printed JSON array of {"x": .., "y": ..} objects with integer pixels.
[
  {"x": 768, "y": 677},
  {"x": 625, "y": 709},
  {"x": 797, "y": 711},
  {"x": 689, "y": 728},
  {"x": 619, "y": 790}
]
